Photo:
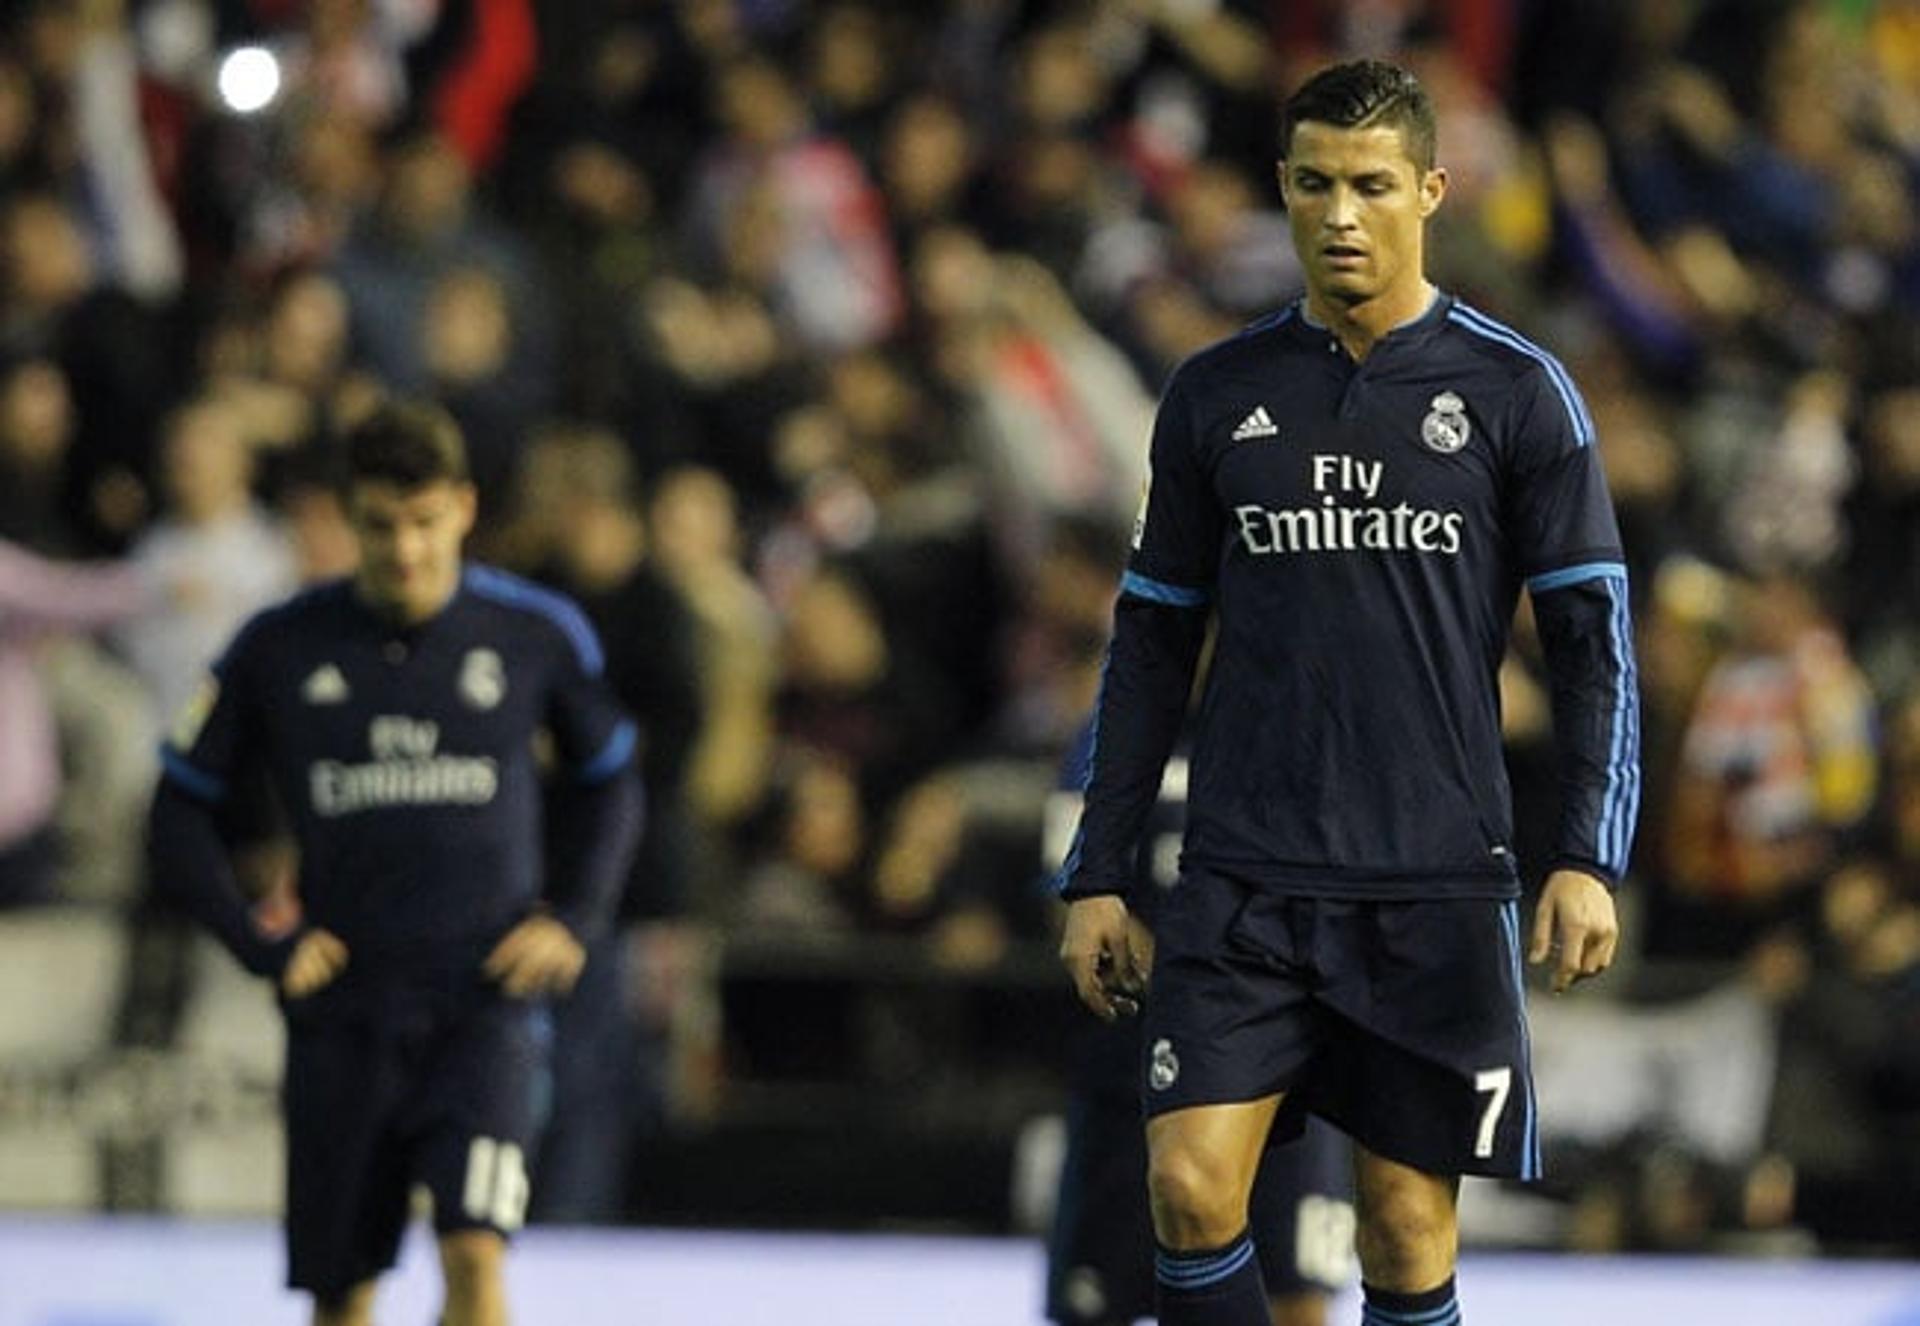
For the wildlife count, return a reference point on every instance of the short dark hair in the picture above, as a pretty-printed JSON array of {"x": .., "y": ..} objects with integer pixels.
[
  {"x": 1364, "y": 94},
  {"x": 409, "y": 444}
]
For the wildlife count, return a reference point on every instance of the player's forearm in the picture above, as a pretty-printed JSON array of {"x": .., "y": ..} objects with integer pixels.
[
  {"x": 1587, "y": 637},
  {"x": 596, "y": 830},
  {"x": 1143, "y": 699},
  {"x": 188, "y": 865}
]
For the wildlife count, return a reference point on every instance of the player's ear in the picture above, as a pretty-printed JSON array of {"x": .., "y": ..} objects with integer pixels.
[
  {"x": 1280, "y": 177},
  {"x": 1433, "y": 187},
  {"x": 466, "y": 506}
]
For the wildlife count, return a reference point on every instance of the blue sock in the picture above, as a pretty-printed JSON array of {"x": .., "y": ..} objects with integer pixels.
[
  {"x": 1435, "y": 1307},
  {"x": 1211, "y": 1287}
]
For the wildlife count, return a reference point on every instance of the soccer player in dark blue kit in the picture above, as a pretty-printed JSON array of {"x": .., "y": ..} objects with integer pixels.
[
  {"x": 1100, "y": 1259},
  {"x": 398, "y": 718},
  {"x": 1356, "y": 489}
]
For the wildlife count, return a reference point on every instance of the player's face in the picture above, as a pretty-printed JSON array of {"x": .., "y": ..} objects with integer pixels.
[
  {"x": 410, "y": 543},
  {"x": 1358, "y": 205}
]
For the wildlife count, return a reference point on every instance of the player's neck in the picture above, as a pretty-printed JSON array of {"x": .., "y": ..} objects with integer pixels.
[
  {"x": 1359, "y": 327},
  {"x": 406, "y": 613}
]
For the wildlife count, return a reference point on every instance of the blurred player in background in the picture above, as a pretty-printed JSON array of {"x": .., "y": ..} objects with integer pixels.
[
  {"x": 397, "y": 717},
  {"x": 1357, "y": 488},
  {"x": 1100, "y": 1255}
]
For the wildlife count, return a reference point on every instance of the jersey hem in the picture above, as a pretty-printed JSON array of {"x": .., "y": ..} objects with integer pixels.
[{"x": 1330, "y": 882}]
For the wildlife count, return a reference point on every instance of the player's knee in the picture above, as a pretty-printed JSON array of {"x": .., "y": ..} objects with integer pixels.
[
  {"x": 1197, "y": 1200},
  {"x": 471, "y": 1260},
  {"x": 1406, "y": 1237}
]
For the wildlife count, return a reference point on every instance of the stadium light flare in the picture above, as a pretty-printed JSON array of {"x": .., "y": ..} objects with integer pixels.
[{"x": 249, "y": 79}]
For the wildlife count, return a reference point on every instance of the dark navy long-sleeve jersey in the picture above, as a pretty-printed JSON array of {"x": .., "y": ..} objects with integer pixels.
[
  {"x": 405, "y": 758},
  {"x": 1362, "y": 532}
]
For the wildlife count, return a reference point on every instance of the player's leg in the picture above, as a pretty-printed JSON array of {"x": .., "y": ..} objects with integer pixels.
[
  {"x": 1409, "y": 1239},
  {"x": 347, "y": 1182},
  {"x": 352, "y": 1307},
  {"x": 1227, "y": 1031},
  {"x": 1303, "y": 1309},
  {"x": 1303, "y": 1221},
  {"x": 473, "y": 1264},
  {"x": 1431, "y": 1076},
  {"x": 479, "y": 1114},
  {"x": 1200, "y": 1167},
  {"x": 1100, "y": 1249}
]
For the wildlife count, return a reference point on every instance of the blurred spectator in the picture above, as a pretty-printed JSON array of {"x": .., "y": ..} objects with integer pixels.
[
  {"x": 426, "y": 260},
  {"x": 805, "y": 881},
  {"x": 1054, "y": 414},
  {"x": 696, "y": 539},
  {"x": 1058, "y": 639},
  {"x": 589, "y": 538},
  {"x": 340, "y": 66},
  {"x": 854, "y": 691},
  {"x": 1882, "y": 590},
  {"x": 854, "y": 71},
  {"x": 38, "y": 597},
  {"x": 930, "y": 168},
  {"x": 581, "y": 502},
  {"x": 36, "y": 433},
  {"x": 1848, "y": 1106},
  {"x": 217, "y": 555},
  {"x": 138, "y": 241},
  {"x": 111, "y": 350},
  {"x": 831, "y": 275},
  {"x": 1167, "y": 290},
  {"x": 1786, "y": 509},
  {"x": 1779, "y": 765},
  {"x": 471, "y": 352},
  {"x": 309, "y": 507}
]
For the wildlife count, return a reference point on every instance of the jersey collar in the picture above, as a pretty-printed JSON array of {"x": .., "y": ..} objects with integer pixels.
[{"x": 1412, "y": 331}]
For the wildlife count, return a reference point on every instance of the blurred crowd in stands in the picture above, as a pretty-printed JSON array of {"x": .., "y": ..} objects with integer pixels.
[{"x": 814, "y": 347}]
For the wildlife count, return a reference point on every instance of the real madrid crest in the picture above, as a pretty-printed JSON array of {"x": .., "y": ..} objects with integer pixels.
[
  {"x": 483, "y": 679},
  {"x": 1445, "y": 428}
]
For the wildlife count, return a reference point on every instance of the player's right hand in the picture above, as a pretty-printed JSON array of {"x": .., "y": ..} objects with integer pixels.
[
  {"x": 317, "y": 959},
  {"x": 1108, "y": 954}
]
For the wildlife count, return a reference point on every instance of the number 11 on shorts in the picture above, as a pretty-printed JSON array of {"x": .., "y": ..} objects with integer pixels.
[{"x": 1497, "y": 1083}]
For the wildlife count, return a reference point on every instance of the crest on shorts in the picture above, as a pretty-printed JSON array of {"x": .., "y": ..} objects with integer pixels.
[
  {"x": 483, "y": 679},
  {"x": 1163, "y": 1065},
  {"x": 1445, "y": 428}
]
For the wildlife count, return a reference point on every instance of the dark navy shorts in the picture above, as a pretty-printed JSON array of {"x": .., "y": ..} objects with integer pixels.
[
  {"x": 1404, "y": 1023},
  {"x": 1100, "y": 1252},
  {"x": 374, "y": 1107}
]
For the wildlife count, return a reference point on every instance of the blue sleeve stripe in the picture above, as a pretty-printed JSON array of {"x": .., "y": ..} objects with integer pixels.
[
  {"x": 1529, "y": 1118},
  {"x": 1077, "y": 848},
  {"x": 190, "y": 776},
  {"x": 1574, "y": 575},
  {"x": 1576, "y": 408},
  {"x": 1159, "y": 591},
  {"x": 1268, "y": 321},
  {"x": 1562, "y": 380},
  {"x": 1620, "y": 805},
  {"x": 562, "y": 611},
  {"x": 613, "y": 756}
]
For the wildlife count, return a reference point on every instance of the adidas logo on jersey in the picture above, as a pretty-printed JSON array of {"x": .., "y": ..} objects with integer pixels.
[
  {"x": 324, "y": 685},
  {"x": 1257, "y": 424}
]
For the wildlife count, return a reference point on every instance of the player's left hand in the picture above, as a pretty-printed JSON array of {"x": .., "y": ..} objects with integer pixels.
[
  {"x": 1575, "y": 919},
  {"x": 539, "y": 956}
]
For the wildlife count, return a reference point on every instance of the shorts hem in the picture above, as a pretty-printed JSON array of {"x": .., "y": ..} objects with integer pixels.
[{"x": 1153, "y": 1108}]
